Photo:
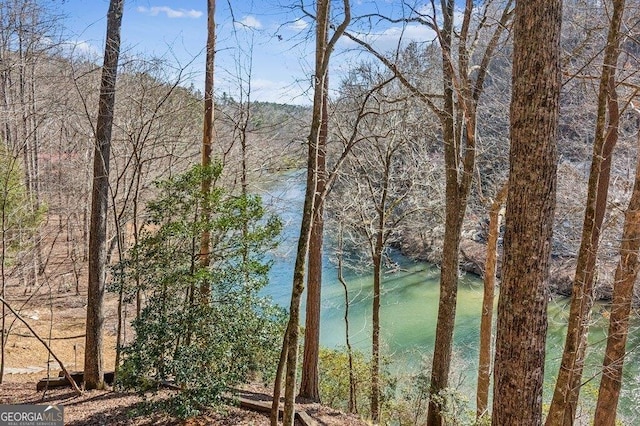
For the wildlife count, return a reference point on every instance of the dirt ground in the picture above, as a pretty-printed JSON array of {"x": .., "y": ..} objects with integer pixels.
[{"x": 122, "y": 408}]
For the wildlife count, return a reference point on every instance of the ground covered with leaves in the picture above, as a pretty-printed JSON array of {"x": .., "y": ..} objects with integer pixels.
[{"x": 125, "y": 408}]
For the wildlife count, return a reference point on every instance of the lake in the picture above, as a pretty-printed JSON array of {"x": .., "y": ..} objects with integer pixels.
[{"x": 409, "y": 308}]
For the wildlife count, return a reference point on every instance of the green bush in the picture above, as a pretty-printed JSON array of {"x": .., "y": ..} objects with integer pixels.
[
  {"x": 203, "y": 346},
  {"x": 334, "y": 381},
  {"x": 411, "y": 403},
  {"x": 404, "y": 399}
]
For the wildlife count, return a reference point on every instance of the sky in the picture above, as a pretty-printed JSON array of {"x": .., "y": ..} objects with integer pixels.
[{"x": 266, "y": 42}]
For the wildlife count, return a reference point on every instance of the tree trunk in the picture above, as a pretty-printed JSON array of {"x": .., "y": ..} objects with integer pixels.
[
  {"x": 449, "y": 269},
  {"x": 491, "y": 266},
  {"x": 458, "y": 175},
  {"x": 522, "y": 306},
  {"x": 3, "y": 276},
  {"x": 443, "y": 345},
  {"x": 207, "y": 141},
  {"x": 323, "y": 53},
  {"x": 290, "y": 345},
  {"x": 565, "y": 397},
  {"x": 277, "y": 386},
  {"x": 93, "y": 366},
  {"x": 375, "y": 339},
  {"x": 309, "y": 386},
  {"x": 353, "y": 403},
  {"x": 291, "y": 339},
  {"x": 625, "y": 277}
]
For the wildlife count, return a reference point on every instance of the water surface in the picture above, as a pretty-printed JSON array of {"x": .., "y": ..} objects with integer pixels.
[{"x": 409, "y": 308}]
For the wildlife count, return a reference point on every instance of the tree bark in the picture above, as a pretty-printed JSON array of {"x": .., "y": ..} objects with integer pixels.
[
  {"x": 207, "y": 141},
  {"x": 522, "y": 305},
  {"x": 449, "y": 269},
  {"x": 565, "y": 397},
  {"x": 456, "y": 193},
  {"x": 310, "y": 382},
  {"x": 375, "y": 339},
  {"x": 486, "y": 320},
  {"x": 93, "y": 365},
  {"x": 625, "y": 277},
  {"x": 277, "y": 386},
  {"x": 291, "y": 339}
]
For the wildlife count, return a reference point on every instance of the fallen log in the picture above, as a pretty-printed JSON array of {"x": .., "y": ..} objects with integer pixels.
[
  {"x": 265, "y": 407},
  {"x": 62, "y": 380},
  {"x": 52, "y": 382}
]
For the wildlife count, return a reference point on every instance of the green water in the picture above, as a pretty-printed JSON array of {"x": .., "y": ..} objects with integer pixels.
[{"x": 409, "y": 308}]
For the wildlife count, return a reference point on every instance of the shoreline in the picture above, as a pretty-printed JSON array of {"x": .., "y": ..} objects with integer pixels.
[{"x": 561, "y": 270}]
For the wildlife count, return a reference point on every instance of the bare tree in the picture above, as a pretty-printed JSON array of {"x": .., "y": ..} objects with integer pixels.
[
  {"x": 625, "y": 278},
  {"x": 486, "y": 320},
  {"x": 380, "y": 168},
  {"x": 353, "y": 385},
  {"x": 456, "y": 109},
  {"x": 289, "y": 352},
  {"x": 27, "y": 37},
  {"x": 207, "y": 138},
  {"x": 567, "y": 390},
  {"x": 93, "y": 366}
]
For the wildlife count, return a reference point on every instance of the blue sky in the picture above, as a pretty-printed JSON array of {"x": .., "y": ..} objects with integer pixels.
[{"x": 266, "y": 37}]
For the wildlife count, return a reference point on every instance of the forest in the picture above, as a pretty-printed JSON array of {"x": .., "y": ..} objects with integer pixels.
[{"x": 501, "y": 143}]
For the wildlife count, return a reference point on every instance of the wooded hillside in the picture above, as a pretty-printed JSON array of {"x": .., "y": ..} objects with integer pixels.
[{"x": 507, "y": 135}]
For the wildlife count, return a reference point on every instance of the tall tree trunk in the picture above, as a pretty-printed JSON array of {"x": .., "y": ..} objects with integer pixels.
[
  {"x": 323, "y": 53},
  {"x": 291, "y": 339},
  {"x": 375, "y": 339},
  {"x": 39, "y": 265},
  {"x": 310, "y": 383},
  {"x": 3, "y": 265},
  {"x": 625, "y": 277},
  {"x": 522, "y": 306},
  {"x": 565, "y": 397},
  {"x": 490, "y": 269},
  {"x": 277, "y": 386},
  {"x": 207, "y": 142},
  {"x": 93, "y": 366},
  {"x": 455, "y": 207},
  {"x": 443, "y": 345}
]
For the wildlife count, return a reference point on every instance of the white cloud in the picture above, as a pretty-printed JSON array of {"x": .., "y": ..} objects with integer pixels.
[
  {"x": 250, "y": 21},
  {"x": 299, "y": 25},
  {"x": 171, "y": 13},
  {"x": 388, "y": 39},
  {"x": 86, "y": 48},
  {"x": 81, "y": 48}
]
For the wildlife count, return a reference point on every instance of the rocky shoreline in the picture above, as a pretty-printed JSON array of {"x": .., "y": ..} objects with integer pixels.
[
  {"x": 561, "y": 272},
  {"x": 474, "y": 253}
]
